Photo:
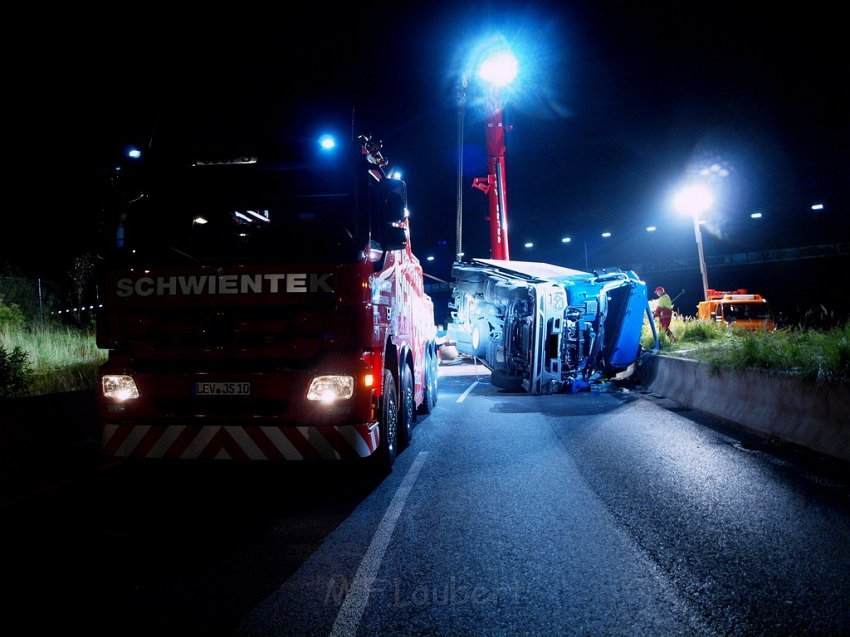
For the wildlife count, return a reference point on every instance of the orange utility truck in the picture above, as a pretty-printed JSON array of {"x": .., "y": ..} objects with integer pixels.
[{"x": 738, "y": 309}]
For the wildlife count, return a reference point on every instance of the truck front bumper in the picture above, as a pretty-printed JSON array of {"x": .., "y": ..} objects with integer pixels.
[{"x": 240, "y": 442}]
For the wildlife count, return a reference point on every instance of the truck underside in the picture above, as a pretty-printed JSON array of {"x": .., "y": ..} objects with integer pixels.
[{"x": 543, "y": 328}]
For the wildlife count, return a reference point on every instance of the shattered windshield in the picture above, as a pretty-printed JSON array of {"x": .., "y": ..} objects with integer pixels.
[{"x": 247, "y": 213}]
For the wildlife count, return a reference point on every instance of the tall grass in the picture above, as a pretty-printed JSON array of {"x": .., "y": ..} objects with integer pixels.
[
  {"x": 60, "y": 358},
  {"x": 819, "y": 355}
]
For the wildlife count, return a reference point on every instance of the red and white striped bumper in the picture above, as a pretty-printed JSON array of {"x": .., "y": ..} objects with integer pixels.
[{"x": 240, "y": 442}]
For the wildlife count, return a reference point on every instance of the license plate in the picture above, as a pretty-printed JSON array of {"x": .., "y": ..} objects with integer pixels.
[{"x": 222, "y": 389}]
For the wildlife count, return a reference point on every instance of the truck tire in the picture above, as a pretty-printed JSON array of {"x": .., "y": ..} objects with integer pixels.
[
  {"x": 434, "y": 386},
  {"x": 429, "y": 391},
  {"x": 384, "y": 457},
  {"x": 480, "y": 338},
  {"x": 407, "y": 408}
]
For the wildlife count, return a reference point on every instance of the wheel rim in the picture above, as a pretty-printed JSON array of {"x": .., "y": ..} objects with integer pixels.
[
  {"x": 390, "y": 417},
  {"x": 392, "y": 423},
  {"x": 408, "y": 403}
]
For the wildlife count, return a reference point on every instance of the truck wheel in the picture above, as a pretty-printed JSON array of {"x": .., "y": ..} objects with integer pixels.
[
  {"x": 407, "y": 408},
  {"x": 480, "y": 338},
  {"x": 429, "y": 391},
  {"x": 434, "y": 385},
  {"x": 384, "y": 457}
]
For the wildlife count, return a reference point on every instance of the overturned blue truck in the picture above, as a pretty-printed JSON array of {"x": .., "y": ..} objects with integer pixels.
[{"x": 547, "y": 329}]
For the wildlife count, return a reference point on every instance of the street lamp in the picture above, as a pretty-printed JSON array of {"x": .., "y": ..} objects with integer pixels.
[
  {"x": 694, "y": 200},
  {"x": 497, "y": 70}
]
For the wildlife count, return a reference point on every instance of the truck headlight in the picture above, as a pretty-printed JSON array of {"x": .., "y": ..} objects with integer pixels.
[
  {"x": 331, "y": 388},
  {"x": 119, "y": 386}
]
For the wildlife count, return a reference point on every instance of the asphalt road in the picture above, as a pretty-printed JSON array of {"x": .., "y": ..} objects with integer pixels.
[{"x": 590, "y": 514}]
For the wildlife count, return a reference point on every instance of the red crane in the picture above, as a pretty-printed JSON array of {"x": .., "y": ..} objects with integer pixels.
[{"x": 494, "y": 185}]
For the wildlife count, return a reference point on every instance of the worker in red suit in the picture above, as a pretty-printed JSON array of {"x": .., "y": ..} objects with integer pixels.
[{"x": 664, "y": 311}]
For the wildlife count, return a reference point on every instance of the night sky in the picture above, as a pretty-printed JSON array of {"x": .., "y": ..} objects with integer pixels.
[{"x": 617, "y": 104}]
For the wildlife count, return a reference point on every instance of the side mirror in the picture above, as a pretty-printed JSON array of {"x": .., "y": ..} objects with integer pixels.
[{"x": 393, "y": 200}]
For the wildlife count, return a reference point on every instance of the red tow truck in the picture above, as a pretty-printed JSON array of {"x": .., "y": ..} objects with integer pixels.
[{"x": 264, "y": 307}]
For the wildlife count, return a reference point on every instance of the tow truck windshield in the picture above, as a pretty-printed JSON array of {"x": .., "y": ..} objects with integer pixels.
[
  {"x": 246, "y": 213},
  {"x": 746, "y": 311}
]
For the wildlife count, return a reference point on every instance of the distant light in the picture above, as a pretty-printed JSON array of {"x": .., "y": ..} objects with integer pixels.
[
  {"x": 134, "y": 153},
  {"x": 327, "y": 142},
  {"x": 817, "y": 206},
  {"x": 529, "y": 244},
  {"x": 755, "y": 215},
  {"x": 651, "y": 228},
  {"x": 500, "y": 69},
  {"x": 606, "y": 234},
  {"x": 566, "y": 240},
  {"x": 430, "y": 258},
  {"x": 396, "y": 174}
]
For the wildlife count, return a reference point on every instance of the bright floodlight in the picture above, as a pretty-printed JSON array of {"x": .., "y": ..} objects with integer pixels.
[
  {"x": 327, "y": 142},
  {"x": 693, "y": 200},
  {"x": 499, "y": 69},
  {"x": 134, "y": 153}
]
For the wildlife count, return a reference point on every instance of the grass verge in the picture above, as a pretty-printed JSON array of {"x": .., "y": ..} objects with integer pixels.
[
  {"x": 56, "y": 359},
  {"x": 814, "y": 354}
]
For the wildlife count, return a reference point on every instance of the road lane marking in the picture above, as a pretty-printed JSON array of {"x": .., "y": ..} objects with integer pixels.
[
  {"x": 463, "y": 396},
  {"x": 348, "y": 618}
]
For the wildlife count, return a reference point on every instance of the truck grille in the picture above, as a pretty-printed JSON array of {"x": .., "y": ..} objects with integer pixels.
[{"x": 220, "y": 406}]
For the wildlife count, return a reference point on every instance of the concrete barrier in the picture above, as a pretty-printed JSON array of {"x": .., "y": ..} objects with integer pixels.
[{"x": 813, "y": 415}]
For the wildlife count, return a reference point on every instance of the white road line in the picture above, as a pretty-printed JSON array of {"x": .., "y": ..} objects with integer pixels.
[
  {"x": 357, "y": 596},
  {"x": 463, "y": 396}
]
